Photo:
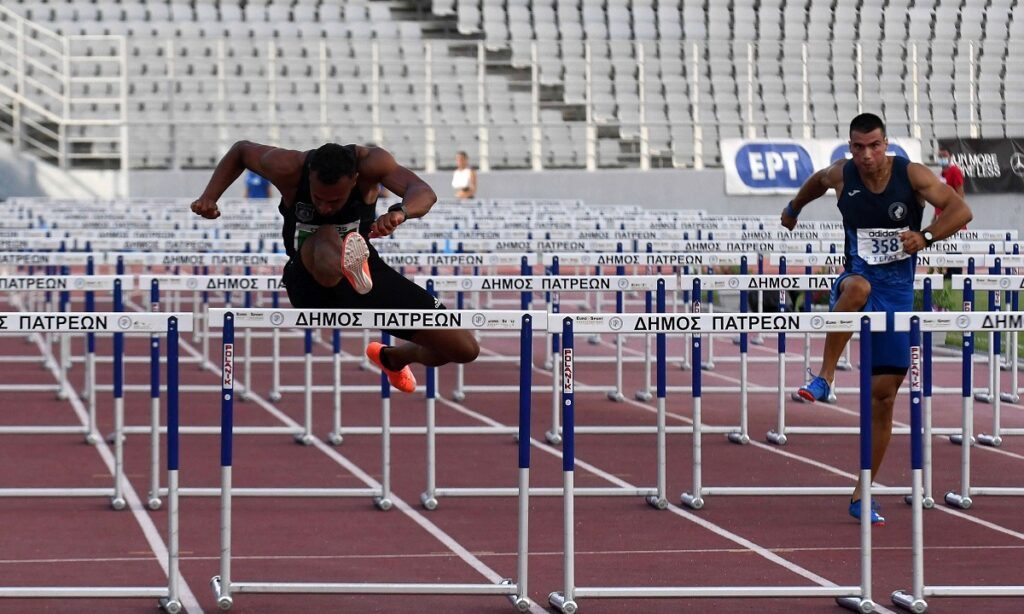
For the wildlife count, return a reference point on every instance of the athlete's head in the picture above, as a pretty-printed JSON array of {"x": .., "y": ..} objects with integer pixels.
[
  {"x": 868, "y": 143},
  {"x": 461, "y": 159},
  {"x": 332, "y": 176}
]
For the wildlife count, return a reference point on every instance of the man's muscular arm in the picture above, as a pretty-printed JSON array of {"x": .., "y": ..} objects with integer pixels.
[
  {"x": 270, "y": 162},
  {"x": 417, "y": 196},
  {"x": 815, "y": 187},
  {"x": 955, "y": 212}
]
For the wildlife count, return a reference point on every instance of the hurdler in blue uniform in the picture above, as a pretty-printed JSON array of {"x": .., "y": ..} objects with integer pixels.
[{"x": 881, "y": 199}]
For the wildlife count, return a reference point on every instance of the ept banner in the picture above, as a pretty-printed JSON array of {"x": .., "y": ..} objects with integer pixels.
[
  {"x": 781, "y": 166},
  {"x": 988, "y": 165}
]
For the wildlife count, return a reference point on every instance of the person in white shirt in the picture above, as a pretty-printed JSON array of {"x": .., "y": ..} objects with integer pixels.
[{"x": 464, "y": 177}]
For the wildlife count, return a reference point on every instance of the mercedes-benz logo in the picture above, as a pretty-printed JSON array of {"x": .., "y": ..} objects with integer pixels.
[
  {"x": 79, "y": 283},
  {"x": 276, "y": 318},
  {"x": 623, "y": 283},
  {"x": 812, "y": 260},
  {"x": 584, "y": 259},
  {"x": 191, "y": 283},
  {"x": 963, "y": 321},
  {"x": 734, "y": 283},
  {"x": 1017, "y": 163},
  {"x": 479, "y": 319},
  {"x": 817, "y": 322},
  {"x": 615, "y": 323},
  {"x": 1004, "y": 283},
  {"x": 124, "y": 322},
  {"x": 467, "y": 284}
]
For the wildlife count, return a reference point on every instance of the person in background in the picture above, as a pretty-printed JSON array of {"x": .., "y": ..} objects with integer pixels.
[
  {"x": 464, "y": 177},
  {"x": 256, "y": 186},
  {"x": 951, "y": 175}
]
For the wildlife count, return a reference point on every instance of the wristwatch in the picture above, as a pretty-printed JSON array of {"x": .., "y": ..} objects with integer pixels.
[
  {"x": 400, "y": 207},
  {"x": 929, "y": 238}
]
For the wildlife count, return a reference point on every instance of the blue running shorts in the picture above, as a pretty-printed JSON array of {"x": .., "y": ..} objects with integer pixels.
[{"x": 890, "y": 351}]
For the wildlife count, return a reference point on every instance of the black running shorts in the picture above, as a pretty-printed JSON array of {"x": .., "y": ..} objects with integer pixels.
[{"x": 391, "y": 290}]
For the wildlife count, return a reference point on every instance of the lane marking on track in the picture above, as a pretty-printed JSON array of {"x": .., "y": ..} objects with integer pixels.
[{"x": 189, "y": 602}]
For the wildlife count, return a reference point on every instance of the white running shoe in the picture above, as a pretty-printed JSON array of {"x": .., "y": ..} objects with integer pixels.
[{"x": 354, "y": 265}]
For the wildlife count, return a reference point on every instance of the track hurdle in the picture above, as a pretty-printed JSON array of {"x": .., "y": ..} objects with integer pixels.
[
  {"x": 995, "y": 284},
  {"x": 169, "y": 324},
  {"x": 853, "y": 597},
  {"x": 914, "y": 599},
  {"x": 224, "y": 587},
  {"x": 66, "y": 283}
]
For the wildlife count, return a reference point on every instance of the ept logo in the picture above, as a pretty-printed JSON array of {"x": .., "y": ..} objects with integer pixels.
[
  {"x": 773, "y": 165},
  {"x": 843, "y": 151}
]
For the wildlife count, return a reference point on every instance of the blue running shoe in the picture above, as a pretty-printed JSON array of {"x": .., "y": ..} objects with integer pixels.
[
  {"x": 816, "y": 390},
  {"x": 876, "y": 518}
]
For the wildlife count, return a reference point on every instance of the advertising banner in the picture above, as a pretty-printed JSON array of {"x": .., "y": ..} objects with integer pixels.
[
  {"x": 989, "y": 165},
  {"x": 781, "y": 166}
]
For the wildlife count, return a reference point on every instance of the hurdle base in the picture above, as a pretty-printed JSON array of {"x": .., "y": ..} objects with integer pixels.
[
  {"x": 778, "y": 439},
  {"x": 982, "y": 397},
  {"x": 519, "y": 602},
  {"x": 959, "y": 440},
  {"x": 738, "y": 438},
  {"x": 954, "y": 499},
  {"x": 993, "y": 441},
  {"x": 92, "y": 438},
  {"x": 908, "y": 602},
  {"x": 154, "y": 502},
  {"x": 335, "y": 439},
  {"x": 274, "y": 396},
  {"x": 553, "y": 438},
  {"x": 643, "y": 395},
  {"x": 616, "y": 396},
  {"x": 1009, "y": 398},
  {"x": 926, "y": 502},
  {"x": 428, "y": 501},
  {"x": 844, "y": 365},
  {"x": 224, "y": 602},
  {"x": 458, "y": 396},
  {"x": 173, "y": 606},
  {"x": 559, "y": 602},
  {"x": 691, "y": 501},
  {"x": 707, "y": 366},
  {"x": 856, "y": 604},
  {"x": 383, "y": 503},
  {"x": 658, "y": 503},
  {"x": 594, "y": 339},
  {"x": 304, "y": 439}
]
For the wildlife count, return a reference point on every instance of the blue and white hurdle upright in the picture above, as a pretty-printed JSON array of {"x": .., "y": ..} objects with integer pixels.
[{"x": 225, "y": 587}]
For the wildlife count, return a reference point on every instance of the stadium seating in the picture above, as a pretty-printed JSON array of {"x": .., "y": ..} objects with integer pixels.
[{"x": 298, "y": 72}]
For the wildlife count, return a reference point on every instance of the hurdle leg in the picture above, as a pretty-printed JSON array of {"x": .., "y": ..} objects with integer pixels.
[
  {"x": 429, "y": 496},
  {"x": 709, "y": 364},
  {"x": 742, "y": 436},
  {"x": 275, "y": 365},
  {"x": 64, "y": 344},
  {"x": 554, "y": 436},
  {"x": 694, "y": 499},
  {"x": 565, "y": 601},
  {"x": 366, "y": 365},
  {"x": 778, "y": 436},
  {"x": 247, "y": 365},
  {"x": 985, "y": 396},
  {"x": 845, "y": 362},
  {"x": 335, "y": 436},
  {"x": 962, "y": 499},
  {"x": 927, "y": 500},
  {"x": 221, "y": 584},
  {"x": 92, "y": 436},
  {"x": 616, "y": 395},
  {"x": 306, "y": 436},
  {"x": 172, "y": 603},
  {"x": 1014, "y": 395},
  {"x": 996, "y": 398},
  {"x": 383, "y": 500}
]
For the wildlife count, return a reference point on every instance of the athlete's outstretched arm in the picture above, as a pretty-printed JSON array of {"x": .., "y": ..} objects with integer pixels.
[
  {"x": 243, "y": 155},
  {"x": 955, "y": 212},
  {"x": 417, "y": 196},
  {"x": 815, "y": 187}
]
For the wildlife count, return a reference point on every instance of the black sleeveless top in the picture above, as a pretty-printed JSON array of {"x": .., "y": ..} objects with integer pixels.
[{"x": 302, "y": 219}]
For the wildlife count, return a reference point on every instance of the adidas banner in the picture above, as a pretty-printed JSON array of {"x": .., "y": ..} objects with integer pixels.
[
  {"x": 781, "y": 166},
  {"x": 988, "y": 165}
]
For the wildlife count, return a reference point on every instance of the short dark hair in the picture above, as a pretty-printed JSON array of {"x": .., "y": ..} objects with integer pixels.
[
  {"x": 462, "y": 153},
  {"x": 866, "y": 122},
  {"x": 331, "y": 162}
]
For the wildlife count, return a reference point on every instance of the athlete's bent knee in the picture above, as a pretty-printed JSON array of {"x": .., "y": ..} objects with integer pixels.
[
  {"x": 857, "y": 289},
  {"x": 321, "y": 255},
  {"x": 463, "y": 349}
]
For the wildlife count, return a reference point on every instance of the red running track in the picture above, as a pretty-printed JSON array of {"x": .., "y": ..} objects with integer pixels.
[{"x": 763, "y": 541}]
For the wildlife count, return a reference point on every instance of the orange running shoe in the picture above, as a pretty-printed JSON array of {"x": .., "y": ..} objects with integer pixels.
[
  {"x": 403, "y": 379},
  {"x": 354, "y": 265}
]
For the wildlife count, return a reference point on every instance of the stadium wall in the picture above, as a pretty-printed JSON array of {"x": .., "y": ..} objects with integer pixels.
[{"x": 659, "y": 189}]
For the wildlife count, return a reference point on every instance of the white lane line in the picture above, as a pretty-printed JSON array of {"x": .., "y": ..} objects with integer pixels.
[{"x": 188, "y": 599}]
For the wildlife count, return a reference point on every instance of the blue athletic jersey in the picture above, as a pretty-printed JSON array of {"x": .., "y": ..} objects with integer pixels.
[{"x": 872, "y": 223}]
